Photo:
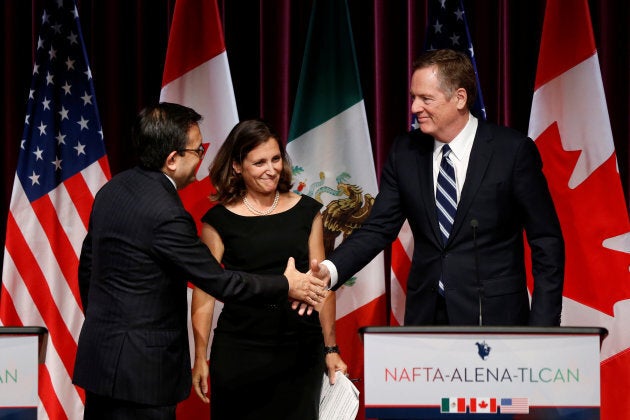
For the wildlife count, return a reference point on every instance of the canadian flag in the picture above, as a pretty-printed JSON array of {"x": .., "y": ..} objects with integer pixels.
[
  {"x": 570, "y": 124},
  {"x": 483, "y": 405},
  {"x": 197, "y": 75}
]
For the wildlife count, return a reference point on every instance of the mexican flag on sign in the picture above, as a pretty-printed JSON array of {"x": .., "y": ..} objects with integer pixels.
[
  {"x": 331, "y": 153},
  {"x": 453, "y": 405}
]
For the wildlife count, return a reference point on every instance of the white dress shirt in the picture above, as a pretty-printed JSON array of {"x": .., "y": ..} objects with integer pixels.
[{"x": 460, "y": 146}]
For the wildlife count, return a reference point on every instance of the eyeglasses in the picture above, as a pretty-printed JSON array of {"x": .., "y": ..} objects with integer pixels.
[{"x": 199, "y": 150}]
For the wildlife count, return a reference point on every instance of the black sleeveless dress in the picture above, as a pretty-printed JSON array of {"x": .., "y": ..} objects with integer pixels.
[{"x": 266, "y": 361}]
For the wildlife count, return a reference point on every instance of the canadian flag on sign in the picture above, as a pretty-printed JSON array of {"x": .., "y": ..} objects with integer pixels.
[
  {"x": 483, "y": 405},
  {"x": 570, "y": 124}
]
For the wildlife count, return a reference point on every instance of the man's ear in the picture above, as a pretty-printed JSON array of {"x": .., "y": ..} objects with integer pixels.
[
  {"x": 462, "y": 98},
  {"x": 171, "y": 160}
]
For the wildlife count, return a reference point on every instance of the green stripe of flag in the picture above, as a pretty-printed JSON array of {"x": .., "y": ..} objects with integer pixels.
[
  {"x": 331, "y": 153},
  {"x": 328, "y": 82},
  {"x": 446, "y": 403}
]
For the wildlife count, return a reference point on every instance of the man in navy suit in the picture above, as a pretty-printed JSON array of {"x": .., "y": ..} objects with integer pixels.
[
  {"x": 473, "y": 272},
  {"x": 140, "y": 251}
]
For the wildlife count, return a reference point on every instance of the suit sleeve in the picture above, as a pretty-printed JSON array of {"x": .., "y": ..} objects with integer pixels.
[
  {"x": 544, "y": 236},
  {"x": 379, "y": 230},
  {"x": 177, "y": 244}
]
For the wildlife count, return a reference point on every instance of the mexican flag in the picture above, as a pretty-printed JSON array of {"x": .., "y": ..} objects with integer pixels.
[
  {"x": 453, "y": 405},
  {"x": 330, "y": 149}
]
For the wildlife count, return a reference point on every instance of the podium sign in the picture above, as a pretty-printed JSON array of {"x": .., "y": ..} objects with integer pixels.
[
  {"x": 20, "y": 350},
  {"x": 18, "y": 372},
  {"x": 435, "y": 372}
]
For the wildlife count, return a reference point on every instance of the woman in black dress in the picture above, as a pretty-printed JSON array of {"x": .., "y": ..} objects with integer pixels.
[{"x": 266, "y": 361}]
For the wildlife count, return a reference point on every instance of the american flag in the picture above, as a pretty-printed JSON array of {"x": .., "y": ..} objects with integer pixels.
[
  {"x": 447, "y": 27},
  {"x": 514, "y": 405},
  {"x": 61, "y": 165}
]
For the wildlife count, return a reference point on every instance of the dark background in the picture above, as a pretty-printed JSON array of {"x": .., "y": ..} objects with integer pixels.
[{"x": 126, "y": 45}]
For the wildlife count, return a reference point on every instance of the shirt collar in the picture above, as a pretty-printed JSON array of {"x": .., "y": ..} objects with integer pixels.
[
  {"x": 462, "y": 141},
  {"x": 171, "y": 179}
]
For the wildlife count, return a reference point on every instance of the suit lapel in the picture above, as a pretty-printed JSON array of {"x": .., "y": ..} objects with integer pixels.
[
  {"x": 480, "y": 156},
  {"x": 424, "y": 161}
]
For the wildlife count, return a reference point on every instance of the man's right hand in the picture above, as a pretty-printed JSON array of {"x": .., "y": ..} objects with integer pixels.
[
  {"x": 320, "y": 271},
  {"x": 304, "y": 287}
]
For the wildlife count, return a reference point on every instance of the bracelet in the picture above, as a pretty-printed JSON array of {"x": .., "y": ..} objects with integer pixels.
[{"x": 331, "y": 349}]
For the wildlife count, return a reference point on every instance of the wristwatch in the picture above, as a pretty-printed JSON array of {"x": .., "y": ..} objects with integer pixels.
[{"x": 331, "y": 349}]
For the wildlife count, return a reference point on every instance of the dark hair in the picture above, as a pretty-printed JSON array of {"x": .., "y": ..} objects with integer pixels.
[
  {"x": 454, "y": 70},
  {"x": 244, "y": 137},
  {"x": 161, "y": 129}
]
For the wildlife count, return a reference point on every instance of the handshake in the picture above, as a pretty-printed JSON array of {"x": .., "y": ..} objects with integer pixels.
[{"x": 309, "y": 290}]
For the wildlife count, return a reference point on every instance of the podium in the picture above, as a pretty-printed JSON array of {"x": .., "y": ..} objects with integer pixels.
[
  {"x": 21, "y": 349},
  {"x": 449, "y": 372}
]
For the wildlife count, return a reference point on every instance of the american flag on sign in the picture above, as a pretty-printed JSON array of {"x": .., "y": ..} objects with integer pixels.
[
  {"x": 447, "y": 27},
  {"x": 61, "y": 165},
  {"x": 514, "y": 405}
]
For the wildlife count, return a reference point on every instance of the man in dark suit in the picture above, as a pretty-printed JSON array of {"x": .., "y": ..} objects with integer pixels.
[
  {"x": 140, "y": 251},
  {"x": 468, "y": 264}
]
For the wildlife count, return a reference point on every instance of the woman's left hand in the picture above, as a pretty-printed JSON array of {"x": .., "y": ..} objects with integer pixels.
[{"x": 334, "y": 363}]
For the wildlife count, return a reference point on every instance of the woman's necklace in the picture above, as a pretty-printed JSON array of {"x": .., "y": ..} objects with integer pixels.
[{"x": 262, "y": 213}]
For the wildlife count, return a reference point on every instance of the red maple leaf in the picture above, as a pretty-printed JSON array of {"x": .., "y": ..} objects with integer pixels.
[{"x": 589, "y": 214}]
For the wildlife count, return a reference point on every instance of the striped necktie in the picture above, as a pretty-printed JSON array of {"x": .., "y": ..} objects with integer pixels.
[
  {"x": 446, "y": 199},
  {"x": 446, "y": 194}
]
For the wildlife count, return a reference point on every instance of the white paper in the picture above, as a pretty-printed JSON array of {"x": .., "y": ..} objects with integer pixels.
[{"x": 339, "y": 401}]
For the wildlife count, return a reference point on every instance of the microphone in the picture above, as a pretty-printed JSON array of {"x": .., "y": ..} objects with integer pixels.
[{"x": 474, "y": 224}]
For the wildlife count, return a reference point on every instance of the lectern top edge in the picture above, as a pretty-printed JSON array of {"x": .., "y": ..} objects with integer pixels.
[
  {"x": 23, "y": 331},
  {"x": 452, "y": 329},
  {"x": 40, "y": 332}
]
